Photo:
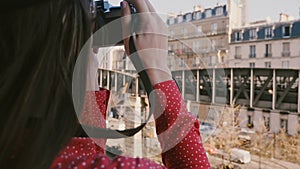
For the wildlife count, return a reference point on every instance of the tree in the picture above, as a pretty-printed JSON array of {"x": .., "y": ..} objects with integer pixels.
[{"x": 226, "y": 136}]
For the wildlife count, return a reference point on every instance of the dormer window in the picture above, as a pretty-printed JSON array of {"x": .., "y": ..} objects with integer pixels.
[
  {"x": 198, "y": 15},
  {"x": 208, "y": 13},
  {"x": 238, "y": 36},
  {"x": 179, "y": 19},
  {"x": 188, "y": 17},
  {"x": 171, "y": 21},
  {"x": 286, "y": 31},
  {"x": 219, "y": 11},
  {"x": 252, "y": 34},
  {"x": 268, "y": 32},
  {"x": 194, "y": 15}
]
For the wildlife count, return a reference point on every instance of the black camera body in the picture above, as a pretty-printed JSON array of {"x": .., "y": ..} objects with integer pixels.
[{"x": 107, "y": 20}]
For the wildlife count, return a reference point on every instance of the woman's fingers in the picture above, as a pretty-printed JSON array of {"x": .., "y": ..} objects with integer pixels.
[
  {"x": 140, "y": 5},
  {"x": 126, "y": 24}
]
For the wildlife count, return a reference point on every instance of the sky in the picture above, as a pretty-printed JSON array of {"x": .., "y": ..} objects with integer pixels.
[{"x": 257, "y": 9}]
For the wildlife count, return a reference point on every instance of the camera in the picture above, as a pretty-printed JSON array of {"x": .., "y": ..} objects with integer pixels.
[{"x": 107, "y": 20}]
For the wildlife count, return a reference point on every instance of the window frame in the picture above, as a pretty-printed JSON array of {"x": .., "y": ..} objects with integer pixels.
[
  {"x": 208, "y": 11},
  {"x": 238, "y": 36},
  {"x": 252, "y": 51},
  {"x": 269, "y": 32},
  {"x": 268, "y": 50},
  {"x": 252, "y": 34},
  {"x": 219, "y": 11},
  {"x": 284, "y": 31},
  {"x": 238, "y": 52}
]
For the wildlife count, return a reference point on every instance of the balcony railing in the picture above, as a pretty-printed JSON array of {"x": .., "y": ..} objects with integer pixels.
[
  {"x": 238, "y": 56},
  {"x": 267, "y": 55},
  {"x": 285, "y": 53},
  {"x": 252, "y": 55},
  {"x": 193, "y": 34}
]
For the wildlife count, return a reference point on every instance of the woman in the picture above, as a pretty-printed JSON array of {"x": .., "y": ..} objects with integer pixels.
[{"x": 40, "y": 42}]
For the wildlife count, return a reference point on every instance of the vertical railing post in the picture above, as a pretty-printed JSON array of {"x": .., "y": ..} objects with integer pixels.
[
  {"x": 183, "y": 83},
  {"x": 197, "y": 86},
  {"x": 231, "y": 87},
  {"x": 214, "y": 87},
  {"x": 116, "y": 81},
  {"x": 124, "y": 80},
  {"x": 251, "y": 87},
  {"x": 108, "y": 80},
  {"x": 298, "y": 91},
  {"x": 136, "y": 86},
  {"x": 101, "y": 77},
  {"x": 275, "y": 91}
]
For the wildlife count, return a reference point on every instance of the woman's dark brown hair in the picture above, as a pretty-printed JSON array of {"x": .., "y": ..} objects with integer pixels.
[{"x": 39, "y": 44}]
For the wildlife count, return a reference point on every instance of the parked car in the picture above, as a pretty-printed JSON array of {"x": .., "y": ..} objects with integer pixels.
[{"x": 240, "y": 156}]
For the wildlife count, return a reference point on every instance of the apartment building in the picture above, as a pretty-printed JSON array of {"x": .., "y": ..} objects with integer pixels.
[
  {"x": 266, "y": 45},
  {"x": 200, "y": 39}
]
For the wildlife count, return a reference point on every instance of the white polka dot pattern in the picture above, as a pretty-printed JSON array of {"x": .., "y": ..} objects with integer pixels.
[{"x": 178, "y": 133}]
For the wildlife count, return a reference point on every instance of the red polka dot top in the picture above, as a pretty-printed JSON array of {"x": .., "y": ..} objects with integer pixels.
[{"x": 177, "y": 130}]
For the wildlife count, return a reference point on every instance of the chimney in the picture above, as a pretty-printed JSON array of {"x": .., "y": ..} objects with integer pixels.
[
  {"x": 283, "y": 17},
  {"x": 198, "y": 8}
]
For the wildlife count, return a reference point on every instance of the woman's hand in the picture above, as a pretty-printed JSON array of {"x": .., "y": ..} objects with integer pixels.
[{"x": 150, "y": 38}]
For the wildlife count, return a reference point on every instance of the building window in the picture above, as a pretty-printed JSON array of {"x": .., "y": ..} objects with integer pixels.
[
  {"x": 171, "y": 33},
  {"x": 214, "y": 27},
  {"x": 268, "y": 32},
  {"x": 199, "y": 28},
  {"x": 253, "y": 34},
  {"x": 286, "y": 31},
  {"x": 188, "y": 17},
  {"x": 285, "y": 64},
  {"x": 238, "y": 52},
  {"x": 238, "y": 36},
  {"x": 196, "y": 46},
  {"x": 183, "y": 31},
  {"x": 172, "y": 48},
  {"x": 208, "y": 13},
  {"x": 268, "y": 50},
  {"x": 252, "y": 64},
  {"x": 171, "y": 21},
  {"x": 267, "y": 64},
  {"x": 197, "y": 15},
  {"x": 183, "y": 48},
  {"x": 181, "y": 63},
  {"x": 179, "y": 19},
  {"x": 252, "y": 51},
  {"x": 286, "y": 49},
  {"x": 219, "y": 11},
  {"x": 222, "y": 59},
  {"x": 224, "y": 26}
]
